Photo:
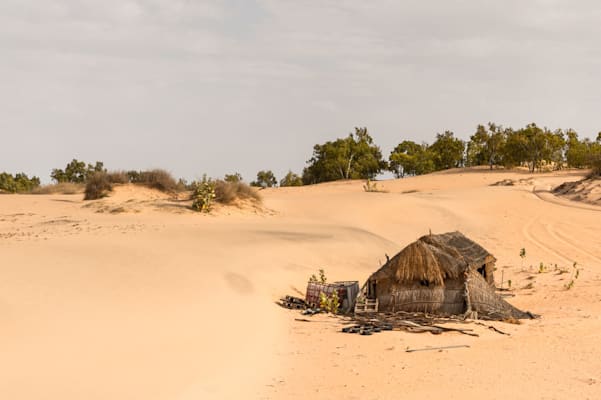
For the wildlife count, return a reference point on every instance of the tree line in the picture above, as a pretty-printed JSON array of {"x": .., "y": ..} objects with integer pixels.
[{"x": 356, "y": 156}]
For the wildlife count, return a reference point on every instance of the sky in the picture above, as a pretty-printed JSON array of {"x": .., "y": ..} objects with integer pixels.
[{"x": 242, "y": 85}]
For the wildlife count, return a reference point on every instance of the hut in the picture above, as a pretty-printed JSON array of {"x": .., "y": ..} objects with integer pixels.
[{"x": 446, "y": 274}]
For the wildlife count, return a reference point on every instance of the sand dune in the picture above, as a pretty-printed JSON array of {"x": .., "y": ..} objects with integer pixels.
[
  {"x": 586, "y": 191},
  {"x": 157, "y": 302}
]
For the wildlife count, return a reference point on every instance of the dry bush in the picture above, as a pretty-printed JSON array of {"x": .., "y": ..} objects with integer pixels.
[
  {"x": 118, "y": 177},
  {"x": 98, "y": 186},
  {"x": 158, "y": 179},
  {"x": 60, "y": 188},
  {"x": 228, "y": 192}
]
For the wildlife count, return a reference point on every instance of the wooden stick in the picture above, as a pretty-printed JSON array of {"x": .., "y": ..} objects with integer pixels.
[
  {"x": 464, "y": 331},
  {"x": 436, "y": 348},
  {"x": 492, "y": 328}
]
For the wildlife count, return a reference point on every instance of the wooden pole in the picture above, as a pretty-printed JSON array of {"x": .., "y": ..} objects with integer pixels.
[{"x": 437, "y": 348}]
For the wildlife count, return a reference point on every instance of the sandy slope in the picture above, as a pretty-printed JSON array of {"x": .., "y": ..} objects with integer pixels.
[
  {"x": 156, "y": 302},
  {"x": 586, "y": 191}
]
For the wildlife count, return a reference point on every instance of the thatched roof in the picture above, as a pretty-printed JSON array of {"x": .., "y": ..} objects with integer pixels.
[{"x": 434, "y": 258}]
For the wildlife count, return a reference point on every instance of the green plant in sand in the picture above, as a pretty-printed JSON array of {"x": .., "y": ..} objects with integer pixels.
[
  {"x": 575, "y": 275},
  {"x": 523, "y": 255},
  {"x": 322, "y": 277},
  {"x": 329, "y": 303},
  {"x": 203, "y": 195},
  {"x": 370, "y": 186}
]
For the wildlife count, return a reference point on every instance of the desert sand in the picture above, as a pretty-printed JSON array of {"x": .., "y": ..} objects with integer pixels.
[{"x": 137, "y": 297}]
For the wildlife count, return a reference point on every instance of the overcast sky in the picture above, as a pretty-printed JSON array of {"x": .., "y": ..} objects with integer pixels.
[{"x": 213, "y": 87}]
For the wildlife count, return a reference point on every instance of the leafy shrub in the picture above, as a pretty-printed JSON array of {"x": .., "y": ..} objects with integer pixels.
[
  {"x": 208, "y": 191},
  {"x": 203, "y": 195},
  {"x": 98, "y": 186},
  {"x": 329, "y": 303}
]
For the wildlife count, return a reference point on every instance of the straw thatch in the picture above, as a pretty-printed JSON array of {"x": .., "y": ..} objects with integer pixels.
[
  {"x": 444, "y": 274},
  {"x": 436, "y": 258}
]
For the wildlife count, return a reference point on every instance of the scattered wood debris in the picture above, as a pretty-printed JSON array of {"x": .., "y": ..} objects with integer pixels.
[{"x": 293, "y": 303}]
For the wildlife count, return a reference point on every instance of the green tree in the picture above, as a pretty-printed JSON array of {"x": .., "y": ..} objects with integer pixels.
[
  {"x": 486, "y": 145},
  {"x": 410, "y": 158},
  {"x": 447, "y": 151},
  {"x": 76, "y": 171},
  {"x": 577, "y": 151},
  {"x": 354, "y": 157},
  {"x": 594, "y": 159},
  {"x": 515, "y": 151},
  {"x": 265, "y": 179},
  {"x": 555, "y": 148},
  {"x": 535, "y": 145},
  {"x": 291, "y": 179},
  {"x": 19, "y": 183}
]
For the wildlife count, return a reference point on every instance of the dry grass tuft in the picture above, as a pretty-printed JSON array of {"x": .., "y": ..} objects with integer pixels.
[
  {"x": 60, "y": 188},
  {"x": 228, "y": 192},
  {"x": 157, "y": 179},
  {"x": 118, "y": 177}
]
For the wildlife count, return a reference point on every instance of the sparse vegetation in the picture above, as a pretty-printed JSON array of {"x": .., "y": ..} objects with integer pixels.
[
  {"x": 523, "y": 255},
  {"x": 542, "y": 268},
  {"x": 371, "y": 186},
  {"x": 207, "y": 192},
  {"x": 322, "y": 277},
  {"x": 574, "y": 277}
]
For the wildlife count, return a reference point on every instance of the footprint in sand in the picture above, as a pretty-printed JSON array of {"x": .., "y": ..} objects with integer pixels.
[{"x": 238, "y": 283}]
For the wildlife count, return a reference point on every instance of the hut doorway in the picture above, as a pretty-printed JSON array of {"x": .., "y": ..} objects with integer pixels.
[
  {"x": 482, "y": 271},
  {"x": 371, "y": 290}
]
